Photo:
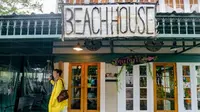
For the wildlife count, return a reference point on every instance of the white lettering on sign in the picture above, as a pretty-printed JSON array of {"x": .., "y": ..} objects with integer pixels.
[{"x": 118, "y": 20}]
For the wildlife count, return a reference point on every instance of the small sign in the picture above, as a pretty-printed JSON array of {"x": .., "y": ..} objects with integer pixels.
[
  {"x": 133, "y": 60},
  {"x": 111, "y": 20}
]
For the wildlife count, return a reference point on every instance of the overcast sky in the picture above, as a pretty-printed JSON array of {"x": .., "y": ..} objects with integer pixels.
[{"x": 49, "y": 6}]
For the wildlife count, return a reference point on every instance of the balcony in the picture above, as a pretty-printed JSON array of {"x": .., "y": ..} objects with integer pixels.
[
  {"x": 30, "y": 26},
  {"x": 178, "y": 25},
  {"x": 171, "y": 25}
]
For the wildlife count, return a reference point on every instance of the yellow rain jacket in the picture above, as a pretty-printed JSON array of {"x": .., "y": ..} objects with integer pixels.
[{"x": 54, "y": 105}]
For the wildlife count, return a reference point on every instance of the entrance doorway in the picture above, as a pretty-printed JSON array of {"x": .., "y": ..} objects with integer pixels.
[
  {"x": 84, "y": 87},
  {"x": 165, "y": 87}
]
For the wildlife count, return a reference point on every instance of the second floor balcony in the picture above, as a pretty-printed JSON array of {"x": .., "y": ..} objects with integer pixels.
[{"x": 170, "y": 25}]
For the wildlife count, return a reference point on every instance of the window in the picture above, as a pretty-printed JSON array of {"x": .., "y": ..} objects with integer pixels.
[
  {"x": 131, "y": 0},
  {"x": 144, "y": 1},
  {"x": 129, "y": 88},
  {"x": 104, "y": 1},
  {"x": 143, "y": 87},
  {"x": 194, "y": 5},
  {"x": 148, "y": 1},
  {"x": 70, "y": 1},
  {"x": 187, "y": 87},
  {"x": 137, "y": 84},
  {"x": 192, "y": 2},
  {"x": 169, "y": 3},
  {"x": 93, "y": 1},
  {"x": 153, "y": 1},
  {"x": 179, "y": 4},
  {"x": 79, "y": 1}
]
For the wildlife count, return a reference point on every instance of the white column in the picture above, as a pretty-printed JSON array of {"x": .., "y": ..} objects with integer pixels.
[
  {"x": 162, "y": 7},
  {"x": 66, "y": 75},
  {"x": 102, "y": 87},
  {"x": 111, "y": 1},
  {"x": 136, "y": 88},
  {"x": 193, "y": 88},
  {"x": 180, "y": 91},
  {"x": 199, "y": 5},
  {"x": 186, "y": 6},
  {"x": 150, "y": 89},
  {"x": 86, "y": 1},
  {"x": 122, "y": 91},
  {"x": 180, "y": 88},
  {"x": 174, "y": 5}
]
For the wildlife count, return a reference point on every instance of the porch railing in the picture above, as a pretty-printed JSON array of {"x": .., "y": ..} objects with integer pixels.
[
  {"x": 178, "y": 25},
  {"x": 30, "y": 26},
  {"x": 49, "y": 26}
]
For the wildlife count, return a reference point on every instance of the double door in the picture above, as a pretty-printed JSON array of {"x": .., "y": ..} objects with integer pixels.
[{"x": 84, "y": 87}]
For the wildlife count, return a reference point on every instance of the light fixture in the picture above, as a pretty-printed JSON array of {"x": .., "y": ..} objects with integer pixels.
[
  {"x": 78, "y": 47},
  {"x": 174, "y": 47}
]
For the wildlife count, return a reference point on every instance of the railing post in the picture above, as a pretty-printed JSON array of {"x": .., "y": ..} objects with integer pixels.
[
  {"x": 56, "y": 26},
  {"x": 28, "y": 25},
  {"x": 171, "y": 25},
  {"x": 186, "y": 25},
  {"x": 35, "y": 25},
  {"x": 163, "y": 23},
  {"x": 49, "y": 31},
  {"x": 14, "y": 26},
  {"x": 193, "y": 25},
  {"x": 179, "y": 29},
  {"x": 42, "y": 27},
  {"x": 1, "y": 24},
  {"x": 7, "y": 26},
  {"x": 21, "y": 27}
]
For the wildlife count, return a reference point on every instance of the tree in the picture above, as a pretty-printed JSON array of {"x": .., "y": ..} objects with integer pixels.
[{"x": 20, "y": 6}]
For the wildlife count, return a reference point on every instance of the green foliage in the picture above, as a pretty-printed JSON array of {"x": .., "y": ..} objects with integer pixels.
[
  {"x": 129, "y": 67},
  {"x": 8, "y": 7}
]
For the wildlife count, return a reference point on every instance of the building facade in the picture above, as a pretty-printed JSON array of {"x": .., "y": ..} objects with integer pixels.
[{"x": 160, "y": 75}]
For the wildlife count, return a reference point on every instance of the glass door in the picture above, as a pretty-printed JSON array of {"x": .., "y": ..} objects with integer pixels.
[
  {"x": 76, "y": 88},
  {"x": 92, "y": 86},
  {"x": 84, "y": 87},
  {"x": 165, "y": 87}
]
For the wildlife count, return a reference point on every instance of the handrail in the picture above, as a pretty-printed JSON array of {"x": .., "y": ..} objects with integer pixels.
[{"x": 50, "y": 26}]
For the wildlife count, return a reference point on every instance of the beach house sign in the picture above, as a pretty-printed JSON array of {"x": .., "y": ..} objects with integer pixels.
[{"x": 111, "y": 20}]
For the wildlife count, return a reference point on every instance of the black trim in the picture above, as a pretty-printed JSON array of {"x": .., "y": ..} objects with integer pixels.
[{"x": 110, "y": 80}]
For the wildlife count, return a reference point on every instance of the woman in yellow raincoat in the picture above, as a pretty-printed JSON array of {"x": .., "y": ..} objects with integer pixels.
[{"x": 54, "y": 105}]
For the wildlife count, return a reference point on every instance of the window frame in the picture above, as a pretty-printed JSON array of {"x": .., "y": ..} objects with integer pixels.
[
  {"x": 136, "y": 90},
  {"x": 181, "y": 90},
  {"x": 195, "y": 88}
]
